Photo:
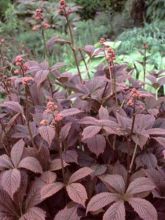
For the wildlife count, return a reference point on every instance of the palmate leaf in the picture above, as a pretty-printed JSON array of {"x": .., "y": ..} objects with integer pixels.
[
  {"x": 70, "y": 112},
  {"x": 30, "y": 163},
  {"x": 19, "y": 196},
  {"x": 103, "y": 113},
  {"x": 79, "y": 174},
  {"x": 48, "y": 177},
  {"x": 90, "y": 131},
  {"x": 11, "y": 180},
  {"x": 77, "y": 193},
  {"x": 9, "y": 125},
  {"x": 147, "y": 159},
  {"x": 6, "y": 203},
  {"x": 139, "y": 185},
  {"x": 123, "y": 121},
  {"x": 144, "y": 208},
  {"x": 98, "y": 169},
  {"x": 96, "y": 144},
  {"x": 116, "y": 182},
  {"x": 34, "y": 194},
  {"x": 34, "y": 213},
  {"x": 119, "y": 169},
  {"x": 17, "y": 152},
  {"x": 41, "y": 71},
  {"x": 101, "y": 200},
  {"x": 140, "y": 139},
  {"x": 14, "y": 106},
  {"x": 50, "y": 189},
  {"x": 157, "y": 176},
  {"x": 6, "y": 216},
  {"x": 41, "y": 76},
  {"x": 144, "y": 122},
  {"x": 160, "y": 140},
  {"x": 156, "y": 131},
  {"x": 56, "y": 164},
  {"x": 65, "y": 131},
  {"x": 68, "y": 213},
  {"x": 5, "y": 162},
  {"x": 43, "y": 155},
  {"x": 115, "y": 212},
  {"x": 56, "y": 40},
  {"x": 70, "y": 156},
  {"x": 47, "y": 133},
  {"x": 89, "y": 121},
  {"x": 57, "y": 66}
]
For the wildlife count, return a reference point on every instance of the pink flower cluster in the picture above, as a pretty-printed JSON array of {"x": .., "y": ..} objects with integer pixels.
[
  {"x": 2, "y": 40},
  {"x": 51, "y": 107},
  {"x": 38, "y": 15},
  {"x": 27, "y": 79},
  {"x": 41, "y": 22},
  {"x": 20, "y": 62},
  {"x": 109, "y": 52},
  {"x": 63, "y": 4},
  {"x": 134, "y": 95}
]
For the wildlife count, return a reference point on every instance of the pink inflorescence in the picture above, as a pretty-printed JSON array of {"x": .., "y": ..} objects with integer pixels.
[{"x": 58, "y": 117}]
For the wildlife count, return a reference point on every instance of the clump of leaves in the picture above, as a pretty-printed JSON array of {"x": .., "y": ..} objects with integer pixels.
[{"x": 72, "y": 148}]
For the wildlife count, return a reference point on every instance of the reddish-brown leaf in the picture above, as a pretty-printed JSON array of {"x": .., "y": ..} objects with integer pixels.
[
  {"x": 47, "y": 133},
  {"x": 90, "y": 131},
  {"x": 70, "y": 112},
  {"x": 98, "y": 169},
  {"x": 145, "y": 209},
  {"x": 96, "y": 144},
  {"x": 148, "y": 160},
  {"x": 56, "y": 40},
  {"x": 144, "y": 121},
  {"x": 89, "y": 49},
  {"x": 68, "y": 213},
  {"x": 17, "y": 152},
  {"x": 79, "y": 174},
  {"x": 101, "y": 200},
  {"x": 139, "y": 185},
  {"x": 34, "y": 213},
  {"x": 41, "y": 76},
  {"x": 34, "y": 194},
  {"x": 116, "y": 182},
  {"x": 11, "y": 180},
  {"x": 6, "y": 203},
  {"x": 31, "y": 163},
  {"x": 57, "y": 66},
  {"x": 103, "y": 113},
  {"x": 6, "y": 216},
  {"x": 77, "y": 193},
  {"x": 5, "y": 162},
  {"x": 56, "y": 164},
  {"x": 115, "y": 212},
  {"x": 14, "y": 106},
  {"x": 70, "y": 156},
  {"x": 140, "y": 139},
  {"x": 50, "y": 189},
  {"x": 48, "y": 177},
  {"x": 89, "y": 121},
  {"x": 156, "y": 131},
  {"x": 160, "y": 140},
  {"x": 65, "y": 131}
]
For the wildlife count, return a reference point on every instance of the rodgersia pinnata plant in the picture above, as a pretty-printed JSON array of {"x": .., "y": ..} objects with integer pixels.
[{"x": 79, "y": 149}]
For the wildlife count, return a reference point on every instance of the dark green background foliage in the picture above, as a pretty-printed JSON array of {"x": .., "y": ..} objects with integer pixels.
[
  {"x": 90, "y": 7},
  {"x": 3, "y": 7},
  {"x": 155, "y": 9},
  {"x": 133, "y": 22}
]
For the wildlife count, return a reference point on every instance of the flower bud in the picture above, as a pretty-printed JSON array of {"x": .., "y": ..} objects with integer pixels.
[{"x": 58, "y": 117}]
